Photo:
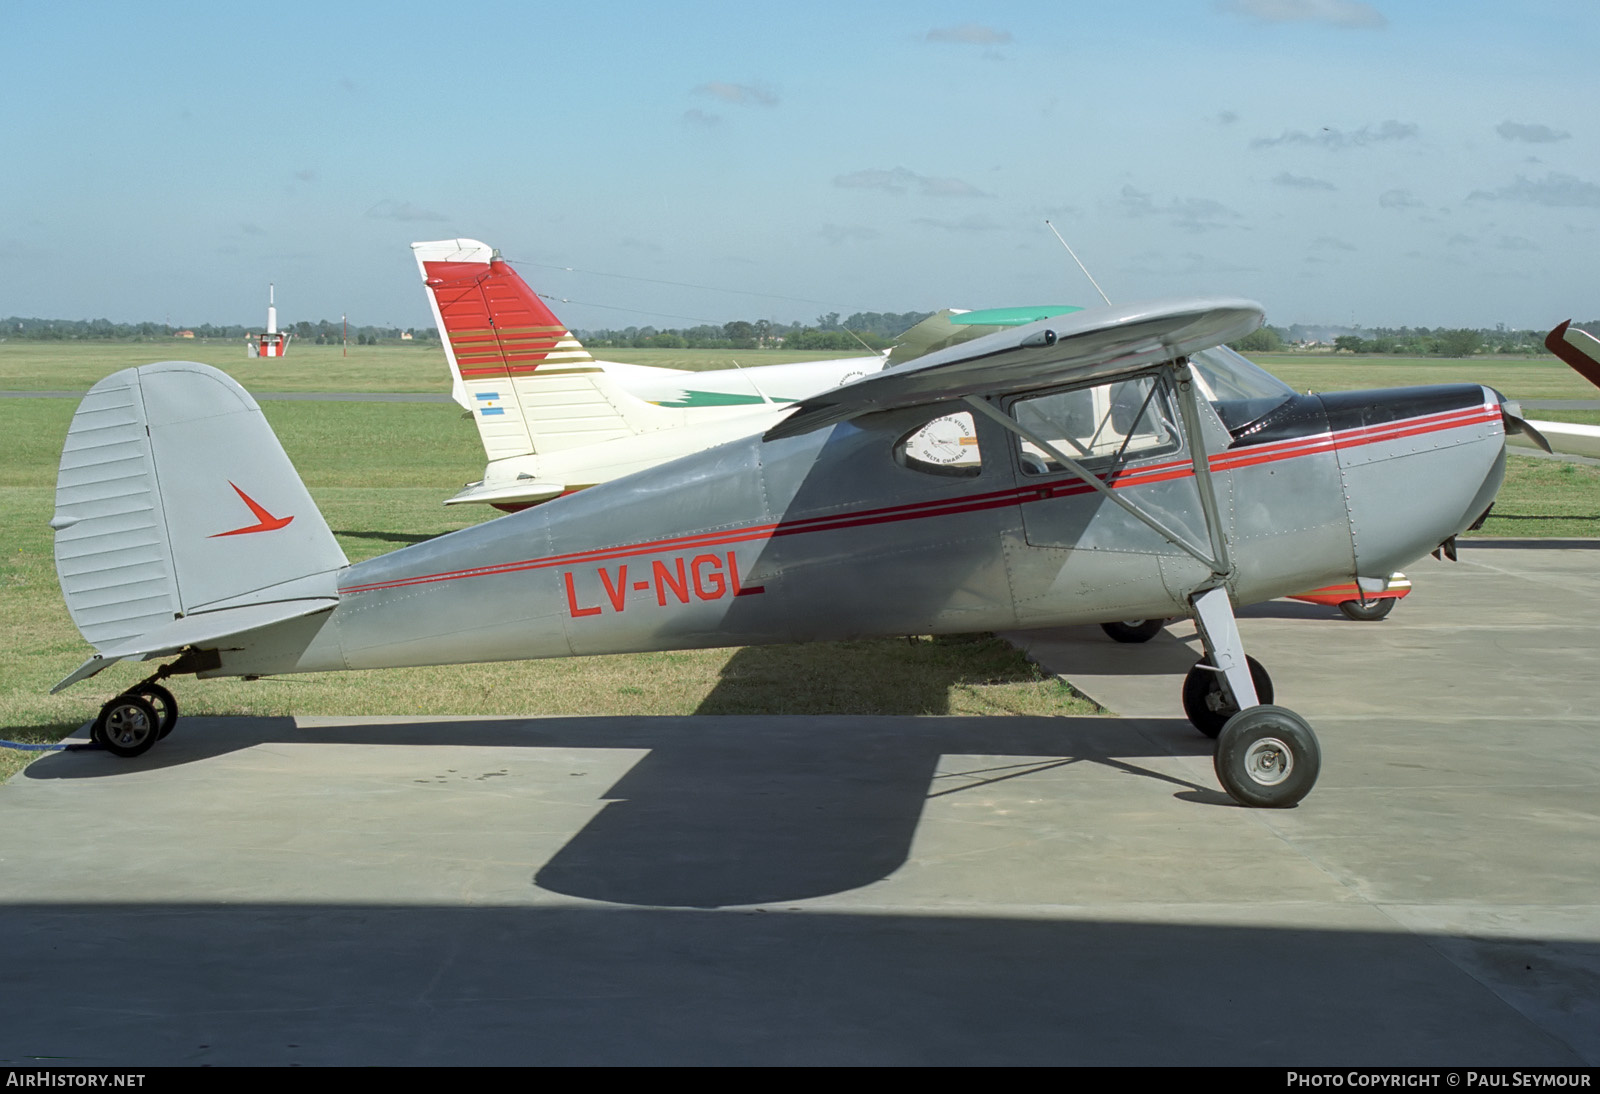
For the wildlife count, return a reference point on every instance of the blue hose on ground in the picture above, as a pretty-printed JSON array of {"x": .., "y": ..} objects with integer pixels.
[{"x": 64, "y": 746}]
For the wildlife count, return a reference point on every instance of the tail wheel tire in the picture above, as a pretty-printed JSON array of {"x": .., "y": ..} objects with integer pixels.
[
  {"x": 1134, "y": 630},
  {"x": 127, "y": 726},
  {"x": 1207, "y": 703},
  {"x": 164, "y": 703},
  {"x": 1267, "y": 757},
  {"x": 1370, "y": 612}
]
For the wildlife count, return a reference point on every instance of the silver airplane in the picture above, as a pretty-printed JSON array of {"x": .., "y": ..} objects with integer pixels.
[{"x": 1122, "y": 464}]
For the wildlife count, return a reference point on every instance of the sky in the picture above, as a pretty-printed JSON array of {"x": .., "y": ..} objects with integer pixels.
[{"x": 1383, "y": 163}]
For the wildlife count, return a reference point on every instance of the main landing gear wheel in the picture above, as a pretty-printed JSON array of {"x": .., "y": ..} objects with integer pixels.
[
  {"x": 1370, "y": 612},
  {"x": 1134, "y": 630},
  {"x": 127, "y": 726},
  {"x": 1267, "y": 757},
  {"x": 1208, "y": 704}
]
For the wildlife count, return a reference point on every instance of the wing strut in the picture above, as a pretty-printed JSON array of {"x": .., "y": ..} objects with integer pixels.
[{"x": 1189, "y": 408}]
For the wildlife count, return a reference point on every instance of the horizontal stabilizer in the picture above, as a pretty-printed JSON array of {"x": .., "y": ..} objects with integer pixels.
[
  {"x": 1084, "y": 346},
  {"x": 196, "y": 630},
  {"x": 518, "y": 492}
]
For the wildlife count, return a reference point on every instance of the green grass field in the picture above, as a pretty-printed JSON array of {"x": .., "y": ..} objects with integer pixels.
[
  {"x": 77, "y": 366},
  {"x": 378, "y": 495},
  {"x": 1541, "y": 377}
]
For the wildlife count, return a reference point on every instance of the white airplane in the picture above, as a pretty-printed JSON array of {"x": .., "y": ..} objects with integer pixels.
[{"x": 554, "y": 420}]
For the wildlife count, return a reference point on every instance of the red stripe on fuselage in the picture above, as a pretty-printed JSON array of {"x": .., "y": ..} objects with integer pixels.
[{"x": 1133, "y": 477}]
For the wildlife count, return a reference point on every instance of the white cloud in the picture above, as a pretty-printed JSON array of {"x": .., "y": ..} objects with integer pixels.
[
  {"x": 1349, "y": 14},
  {"x": 1189, "y": 214},
  {"x": 970, "y": 34},
  {"x": 1399, "y": 199},
  {"x": 738, "y": 94},
  {"x": 1555, "y": 189},
  {"x": 975, "y": 222},
  {"x": 1302, "y": 182},
  {"x": 898, "y": 180},
  {"x": 1530, "y": 133},
  {"x": 1331, "y": 138}
]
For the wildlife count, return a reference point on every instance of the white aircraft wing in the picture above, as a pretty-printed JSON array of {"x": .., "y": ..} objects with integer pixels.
[{"x": 1083, "y": 346}]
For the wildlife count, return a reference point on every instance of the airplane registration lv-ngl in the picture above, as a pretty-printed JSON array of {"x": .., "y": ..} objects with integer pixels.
[{"x": 1126, "y": 466}]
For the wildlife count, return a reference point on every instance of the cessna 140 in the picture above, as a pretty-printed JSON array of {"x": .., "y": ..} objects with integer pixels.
[
  {"x": 554, "y": 420},
  {"x": 1124, "y": 468}
]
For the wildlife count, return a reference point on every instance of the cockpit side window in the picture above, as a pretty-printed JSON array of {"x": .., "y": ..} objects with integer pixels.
[
  {"x": 1097, "y": 425},
  {"x": 1239, "y": 390},
  {"x": 948, "y": 445}
]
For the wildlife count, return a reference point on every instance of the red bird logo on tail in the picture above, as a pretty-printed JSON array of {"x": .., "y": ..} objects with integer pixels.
[{"x": 265, "y": 521}]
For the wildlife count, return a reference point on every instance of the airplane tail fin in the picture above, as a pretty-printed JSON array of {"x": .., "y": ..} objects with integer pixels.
[
  {"x": 530, "y": 385},
  {"x": 1578, "y": 348},
  {"x": 179, "y": 517}
]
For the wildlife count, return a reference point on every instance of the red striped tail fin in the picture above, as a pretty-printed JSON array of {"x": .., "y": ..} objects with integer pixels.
[{"x": 530, "y": 385}]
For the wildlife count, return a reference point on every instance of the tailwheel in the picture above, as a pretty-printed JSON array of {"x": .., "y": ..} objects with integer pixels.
[
  {"x": 127, "y": 726},
  {"x": 1267, "y": 757},
  {"x": 1207, "y": 703},
  {"x": 162, "y": 701}
]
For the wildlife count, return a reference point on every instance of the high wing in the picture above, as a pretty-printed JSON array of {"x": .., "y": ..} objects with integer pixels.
[{"x": 1083, "y": 346}]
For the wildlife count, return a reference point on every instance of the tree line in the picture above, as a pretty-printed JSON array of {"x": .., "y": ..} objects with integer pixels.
[
  {"x": 103, "y": 330},
  {"x": 853, "y": 334},
  {"x": 871, "y": 330},
  {"x": 1402, "y": 341}
]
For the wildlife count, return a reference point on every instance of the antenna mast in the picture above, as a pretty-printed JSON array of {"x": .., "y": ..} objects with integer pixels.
[{"x": 1081, "y": 266}]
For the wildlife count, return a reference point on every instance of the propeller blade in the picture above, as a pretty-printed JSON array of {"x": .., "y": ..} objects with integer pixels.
[{"x": 1514, "y": 424}]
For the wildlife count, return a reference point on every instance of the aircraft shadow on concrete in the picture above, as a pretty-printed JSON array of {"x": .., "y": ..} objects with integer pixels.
[
  {"x": 312, "y": 983},
  {"x": 735, "y": 810}
]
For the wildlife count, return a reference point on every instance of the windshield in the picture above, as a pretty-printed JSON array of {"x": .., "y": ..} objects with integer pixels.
[{"x": 1240, "y": 391}]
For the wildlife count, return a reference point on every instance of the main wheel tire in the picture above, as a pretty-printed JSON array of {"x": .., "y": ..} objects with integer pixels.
[
  {"x": 1207, "y": 703},
  {"x": 1134, "y": 630},
  {"x": 1370, "y": 612},
  {"x": 127, "y": 726},
  {"x": 165, "y": 704},
  {"x": 1267, "y": 757}
]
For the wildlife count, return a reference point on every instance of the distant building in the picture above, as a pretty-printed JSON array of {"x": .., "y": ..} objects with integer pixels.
[
  {"x": 183, "y": 334},
  {"x": 405, "y": 336}
]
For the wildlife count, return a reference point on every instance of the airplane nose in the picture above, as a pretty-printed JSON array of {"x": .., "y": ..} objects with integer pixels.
[{"x": 1419, "y": 466}]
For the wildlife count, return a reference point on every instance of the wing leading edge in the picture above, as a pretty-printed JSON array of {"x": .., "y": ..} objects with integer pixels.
[{"x": 1083, "y": 346}]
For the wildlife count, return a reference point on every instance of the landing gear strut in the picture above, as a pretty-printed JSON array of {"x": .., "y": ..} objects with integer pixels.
[{"x": 1266, "y": 756}]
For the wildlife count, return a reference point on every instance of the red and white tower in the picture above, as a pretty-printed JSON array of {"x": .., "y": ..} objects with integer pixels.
[{"x": 272, "y": 343}]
